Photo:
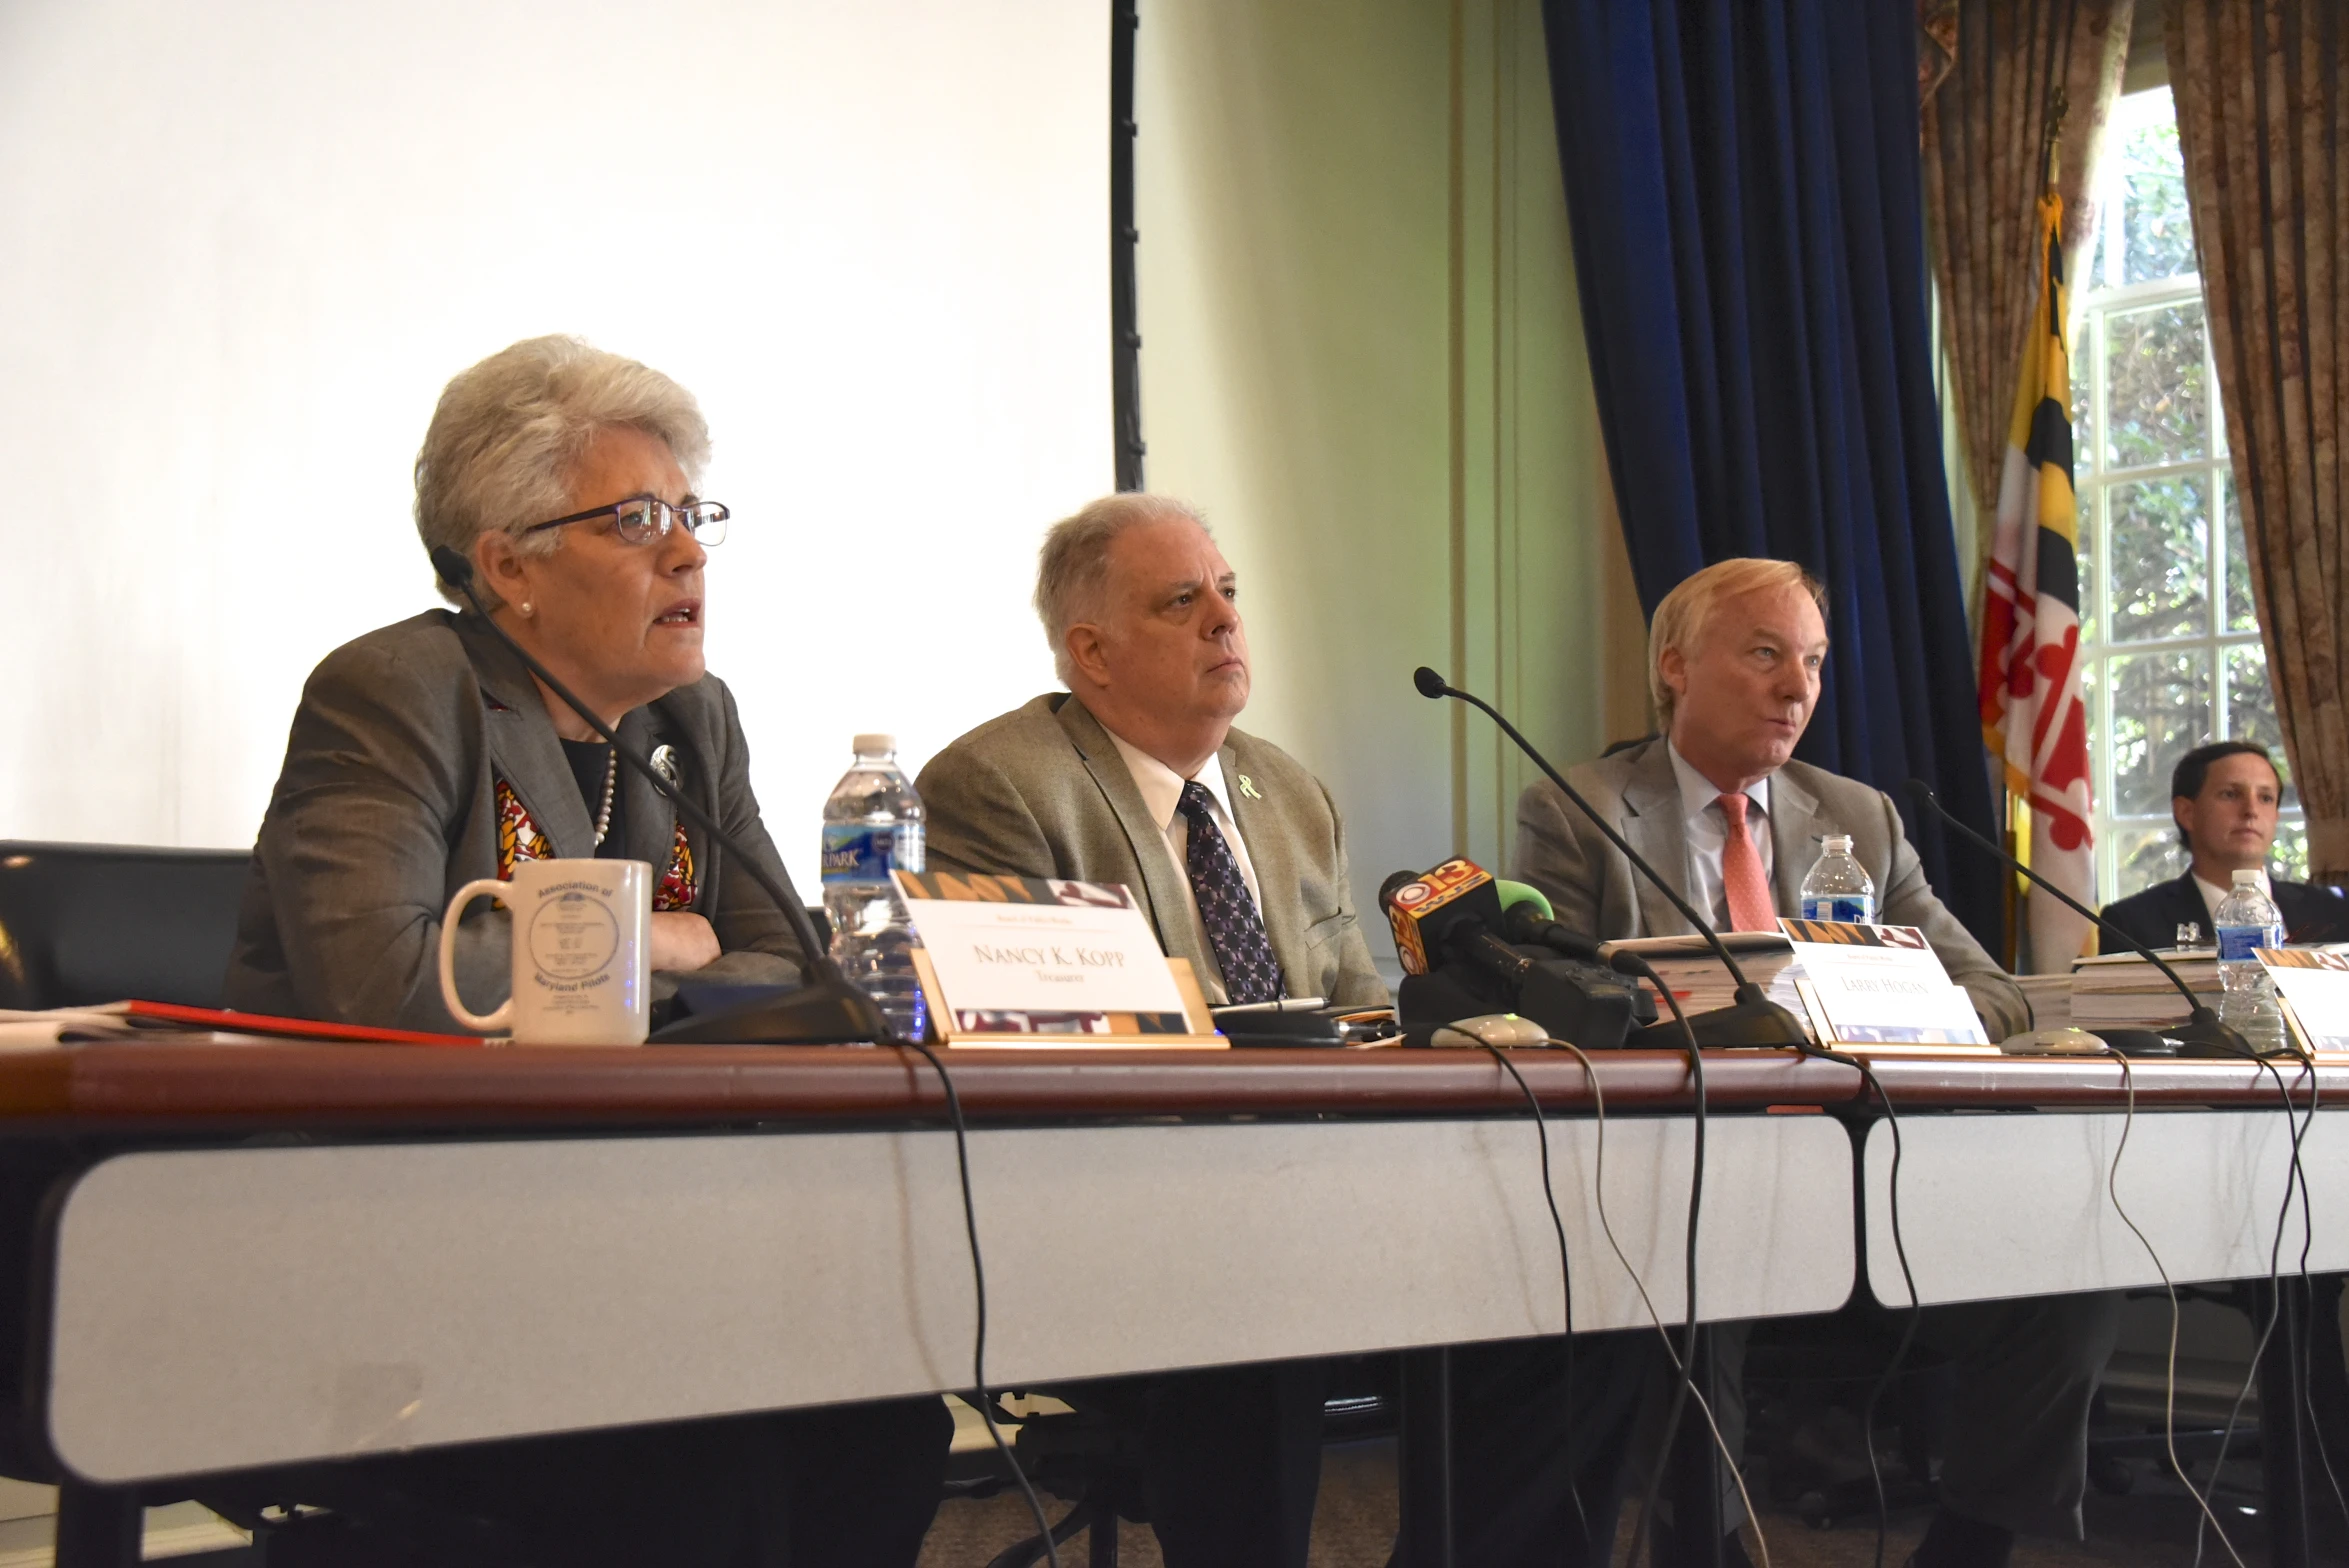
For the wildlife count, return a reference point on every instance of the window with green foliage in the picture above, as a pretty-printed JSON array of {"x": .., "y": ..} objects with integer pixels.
[{"x": 2171, "y": 641}]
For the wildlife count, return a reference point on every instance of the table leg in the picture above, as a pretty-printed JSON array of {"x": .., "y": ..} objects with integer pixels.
[
  {"x": 97, "y": 1526},
  {"x": 1425, "y": 1459},
  {"x": 2284, "y": 1456}
]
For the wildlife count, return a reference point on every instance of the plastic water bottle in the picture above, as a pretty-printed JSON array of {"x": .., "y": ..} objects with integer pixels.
[
  {"x": 873, "y": 826},
  {"x": 1838, "y": 887},
  {"x": 2246, "y": 919}
]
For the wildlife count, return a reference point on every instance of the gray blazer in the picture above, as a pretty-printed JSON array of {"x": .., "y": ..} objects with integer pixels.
[
  {"x": 1042, "y": 792},
  {"x": 1593, "y": 888},
  {"x": 387, "y": 805}
]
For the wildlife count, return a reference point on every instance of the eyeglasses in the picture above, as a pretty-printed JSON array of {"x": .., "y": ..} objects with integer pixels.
[{"x": 643, "y": 517}]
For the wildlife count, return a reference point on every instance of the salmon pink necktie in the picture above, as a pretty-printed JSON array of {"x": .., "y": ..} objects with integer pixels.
[{"x": 1750, "y": 905}]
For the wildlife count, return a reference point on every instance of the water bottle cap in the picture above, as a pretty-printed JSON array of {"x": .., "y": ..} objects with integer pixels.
[
  {"x": 875, "y": 745},
  {"x": 2246, "y": 876},
  {"x": 1838, "y": 843}
]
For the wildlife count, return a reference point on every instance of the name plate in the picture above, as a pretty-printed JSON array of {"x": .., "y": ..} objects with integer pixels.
[
  {"x": 1880, "y": 985},
  {"x": 1010, "y": 957},
  {"x": 2315, "y": 989}
]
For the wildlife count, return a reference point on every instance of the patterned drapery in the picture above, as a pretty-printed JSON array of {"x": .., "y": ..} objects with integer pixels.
[
  {"x": 1985, "y": 140},
  {"x": 2263, "y": 120}
]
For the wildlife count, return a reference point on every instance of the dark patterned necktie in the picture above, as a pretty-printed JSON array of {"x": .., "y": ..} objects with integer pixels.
[{"x": 1234, "y": 929}]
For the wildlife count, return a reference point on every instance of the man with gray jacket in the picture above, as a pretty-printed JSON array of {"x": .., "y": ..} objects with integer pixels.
[{"x": 1734, "y": 657}]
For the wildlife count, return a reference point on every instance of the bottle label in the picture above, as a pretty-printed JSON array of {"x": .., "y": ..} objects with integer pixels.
[
  {"x": 2235, "y": 943},
  {"x": 862, "y": 852},
  {"x": 1846, "y": 909}
]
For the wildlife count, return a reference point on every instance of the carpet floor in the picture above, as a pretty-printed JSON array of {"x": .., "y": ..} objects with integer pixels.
[{"x": 1354, "y": 1527}]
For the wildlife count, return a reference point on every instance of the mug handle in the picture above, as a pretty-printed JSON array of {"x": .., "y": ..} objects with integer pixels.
[{"x": 504, "y": 1016}]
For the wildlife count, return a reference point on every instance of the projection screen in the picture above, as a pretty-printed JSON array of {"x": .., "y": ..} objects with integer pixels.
[{"x": 245, "y": 244}]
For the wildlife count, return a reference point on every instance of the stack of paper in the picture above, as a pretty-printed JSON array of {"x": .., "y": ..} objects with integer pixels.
[
  {"x": 2123, "y": 991},
  {"x": 1687, "y": 965},
  {"x": 2050, "y": 997}
]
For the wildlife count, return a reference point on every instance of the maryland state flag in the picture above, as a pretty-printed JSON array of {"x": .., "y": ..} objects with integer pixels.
[{"x": 2034, "y": 714}]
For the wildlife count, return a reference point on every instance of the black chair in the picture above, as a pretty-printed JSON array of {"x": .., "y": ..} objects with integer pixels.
[{"x": 82, "y": 924}]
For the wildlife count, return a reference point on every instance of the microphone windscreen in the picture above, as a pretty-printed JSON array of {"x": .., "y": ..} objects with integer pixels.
[
  {"x": 1430, "y": 684},
  {"x": 1515, "y": 893},
  {"x": 1393, "y": 884}
]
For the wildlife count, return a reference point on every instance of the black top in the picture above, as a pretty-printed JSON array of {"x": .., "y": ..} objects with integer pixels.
[
  {"x": 591, "y": 763},
  {"x": 2311, "y": 913}
]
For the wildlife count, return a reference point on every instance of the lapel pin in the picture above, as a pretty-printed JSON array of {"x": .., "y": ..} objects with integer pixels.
[
  {"x": 1248, "y": 787},
  {"x": 664, "y": 762}
]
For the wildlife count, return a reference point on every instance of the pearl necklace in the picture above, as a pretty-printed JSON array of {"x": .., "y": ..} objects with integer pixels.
[{"x": 603, "y": 818}]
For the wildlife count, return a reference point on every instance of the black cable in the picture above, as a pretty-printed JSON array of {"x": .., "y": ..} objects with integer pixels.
[
  {"x": 2275, "y": 1304},
  {"x": 1908, "y": 1333},
  {"x": 1541, "y": 1128},
  {"x": 1696, "y": 1195},
  {"x": 2308, "y": 1295},
  {"x": 2169, "y": 1398},
  {"x": 982, "y": 1396},
  {"x": 1598, "y": 1097}
]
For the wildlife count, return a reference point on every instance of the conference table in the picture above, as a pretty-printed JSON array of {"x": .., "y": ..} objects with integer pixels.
[{"x": 231, "y": 1257}]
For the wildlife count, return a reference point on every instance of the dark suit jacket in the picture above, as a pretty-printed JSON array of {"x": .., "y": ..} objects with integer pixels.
[
  {"x": 1042, "y": 792},
  {"x": 2311, "y": 914},
  {"x": 387, "y": 805},
  {"x": 1593, "y": 888}
]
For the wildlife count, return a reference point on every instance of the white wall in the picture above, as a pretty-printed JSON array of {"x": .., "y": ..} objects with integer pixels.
[{"x": 243, "y": 244}]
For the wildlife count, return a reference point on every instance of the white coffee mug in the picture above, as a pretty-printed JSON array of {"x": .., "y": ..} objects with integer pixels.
[{"x": 582, "y": 953}]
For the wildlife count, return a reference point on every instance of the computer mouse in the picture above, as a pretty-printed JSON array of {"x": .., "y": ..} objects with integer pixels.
[
  {"x": 2053, "y": 1042},
  {"x": 1490, "y": 1029}
]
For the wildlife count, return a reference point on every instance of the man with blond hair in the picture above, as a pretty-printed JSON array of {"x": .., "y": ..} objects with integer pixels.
[
  {"x": 1717, "y": 802},
  {"x": 1734, "y": 656}
]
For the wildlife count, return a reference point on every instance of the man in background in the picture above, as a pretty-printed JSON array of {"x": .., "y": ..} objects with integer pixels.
[
  {"x": 1734, "y": 658},
  {"x": 2224, "y": 798}
]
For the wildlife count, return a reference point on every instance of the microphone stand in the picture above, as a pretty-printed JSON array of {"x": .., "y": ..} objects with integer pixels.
[
  {"x": 1753, "y": 1020},
  {"x": 2202, "y": 1035},
  {"x": 828, "y": 1009}
]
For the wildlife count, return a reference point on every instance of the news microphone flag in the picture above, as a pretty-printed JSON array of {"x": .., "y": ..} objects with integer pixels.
[
  {"x": 1412, "y": 902},
  {"x": 2033, "y": 704}
]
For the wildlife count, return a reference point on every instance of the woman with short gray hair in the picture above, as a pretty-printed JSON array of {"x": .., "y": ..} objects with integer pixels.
[{"x": 425, "y": 755}]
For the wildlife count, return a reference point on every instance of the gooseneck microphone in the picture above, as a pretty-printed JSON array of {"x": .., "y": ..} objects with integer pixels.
[
  {"x": 2202, "y": 1029},
  {"x": 1753, "y": 1020},
  {"x": 827, "y": 1010}
]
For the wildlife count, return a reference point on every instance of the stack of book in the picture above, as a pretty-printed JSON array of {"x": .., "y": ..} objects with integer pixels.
[
  {"x": 1687, "y": 965},
  {"x": 2123, "y": 991},
  {"x": 2050, "y": 997}
]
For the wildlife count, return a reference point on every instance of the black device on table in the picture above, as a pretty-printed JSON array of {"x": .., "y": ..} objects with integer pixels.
[{"x": 1477, "y": 956}]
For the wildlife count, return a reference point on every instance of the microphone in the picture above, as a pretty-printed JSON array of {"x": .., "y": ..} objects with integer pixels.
[
  {"x": 1528, "y": 922},
  {"x": 827, "y": 1010},
  {"x": 2202, "y": 1035},
  {"x": 1753, "y": 1020},
  {"x": 1450, "y": 912},
  {"x": 1456, "y": 966}
]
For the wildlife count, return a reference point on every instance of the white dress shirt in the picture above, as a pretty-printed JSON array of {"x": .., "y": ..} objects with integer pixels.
[
  {"x": 1162, "y": 795},
  {"x": 2213, "y": 896},
  {"x": 1707, "y": 827}
]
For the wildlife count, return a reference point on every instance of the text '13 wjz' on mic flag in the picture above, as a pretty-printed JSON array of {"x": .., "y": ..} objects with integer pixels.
[{"x": 2034, "y": 710}]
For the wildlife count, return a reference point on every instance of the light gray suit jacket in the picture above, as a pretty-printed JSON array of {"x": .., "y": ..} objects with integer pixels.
[
  {"x": 387, "y": 804},
  {"x": 1043, "y": 792},
  {"x": 1593, "y": 888}
]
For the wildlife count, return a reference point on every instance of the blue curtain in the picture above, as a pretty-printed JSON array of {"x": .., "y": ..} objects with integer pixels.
[{"x": 1743, "y": 184}]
